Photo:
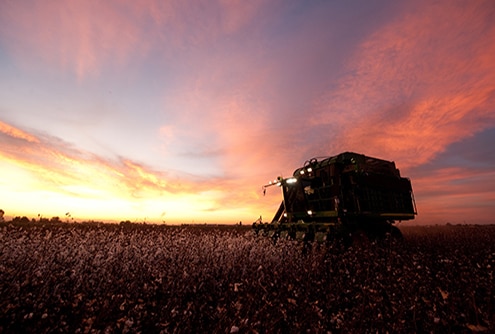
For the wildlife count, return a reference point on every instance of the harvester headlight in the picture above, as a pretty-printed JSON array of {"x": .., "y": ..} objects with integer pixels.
[
  {"x": 301, "y": 171},
  {"x": 310, "y": 169},
  {"x": 291, "y": 180},
  {"x": 310, "y": 213}
]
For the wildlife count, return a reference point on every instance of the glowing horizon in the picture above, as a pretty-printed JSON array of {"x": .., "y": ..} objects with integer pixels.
[{"x": 179, "y": 112}]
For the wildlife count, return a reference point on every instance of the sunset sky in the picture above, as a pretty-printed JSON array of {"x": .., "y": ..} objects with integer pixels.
[{"x": 179, "y": 111}]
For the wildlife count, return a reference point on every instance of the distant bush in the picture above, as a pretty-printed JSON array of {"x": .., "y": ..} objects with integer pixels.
[{"x": 21, "y": 220}]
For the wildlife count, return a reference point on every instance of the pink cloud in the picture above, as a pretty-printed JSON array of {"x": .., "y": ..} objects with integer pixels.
[
  {"x": 85, "y": 37},
  {"x": 238, "y": 13},
  {"x": 418, "y": 84},
  {"x": 455, "y": 195},
  {"x": 81, "y": 36}
]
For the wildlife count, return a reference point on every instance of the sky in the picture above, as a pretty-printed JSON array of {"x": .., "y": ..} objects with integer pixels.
[{"x": 179, "y": 111}]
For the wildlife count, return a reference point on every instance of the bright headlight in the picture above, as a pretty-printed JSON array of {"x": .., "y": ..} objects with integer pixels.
[{"x": 291, "y": 180}]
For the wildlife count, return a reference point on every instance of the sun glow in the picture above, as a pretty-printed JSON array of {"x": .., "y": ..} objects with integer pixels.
[
  {"x": 169, "y": 111},
  {"x": 89, "y": 202},
  {"x": 98, "y": 192}
]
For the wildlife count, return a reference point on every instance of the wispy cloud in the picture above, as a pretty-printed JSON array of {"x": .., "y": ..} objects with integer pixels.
[
  {"x": 14, "y": 133},
  {"x": 80, "y": 36},
  {"x": 58, "y": 164},
  {"x": 58, "y": 167},
  {"x": 456, "y": 195},
  {"x": 86, "y": 37},
  {"x": 418, "y": 84},
  {"x": 202, "y": 102}
]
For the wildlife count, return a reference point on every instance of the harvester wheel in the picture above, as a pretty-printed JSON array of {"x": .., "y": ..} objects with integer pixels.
[
  {"x": 395, "y": 233},
  {"x": 309, "y": 236},
  {"x": 292, "y": 234}
]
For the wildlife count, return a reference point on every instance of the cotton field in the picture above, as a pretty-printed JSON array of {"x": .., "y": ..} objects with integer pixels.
[{"x": 97, "y": 278}]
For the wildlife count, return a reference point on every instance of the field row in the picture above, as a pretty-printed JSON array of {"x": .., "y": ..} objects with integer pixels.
[{"x": 145, "y": 278}]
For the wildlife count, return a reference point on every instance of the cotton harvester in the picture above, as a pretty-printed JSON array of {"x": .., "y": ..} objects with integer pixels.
[{"x": 345, "y": 194}]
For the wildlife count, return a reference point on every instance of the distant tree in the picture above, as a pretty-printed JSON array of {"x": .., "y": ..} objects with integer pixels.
[
  {"x": 22, "y": 220},
  {"x": 1, "y": 216},
  {"x": 126, "y": 223}
]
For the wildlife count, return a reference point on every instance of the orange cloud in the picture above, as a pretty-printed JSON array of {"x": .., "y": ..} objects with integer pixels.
[
  {"x": 418, "y": 84},
  {"x": 16, "y": 133},
  {"x": 456, "y": 195},
  {"x": 50, "y": 175}
]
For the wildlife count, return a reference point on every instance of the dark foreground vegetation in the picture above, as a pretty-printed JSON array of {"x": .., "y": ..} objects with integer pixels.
[{"x": 91, "y": 278}]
